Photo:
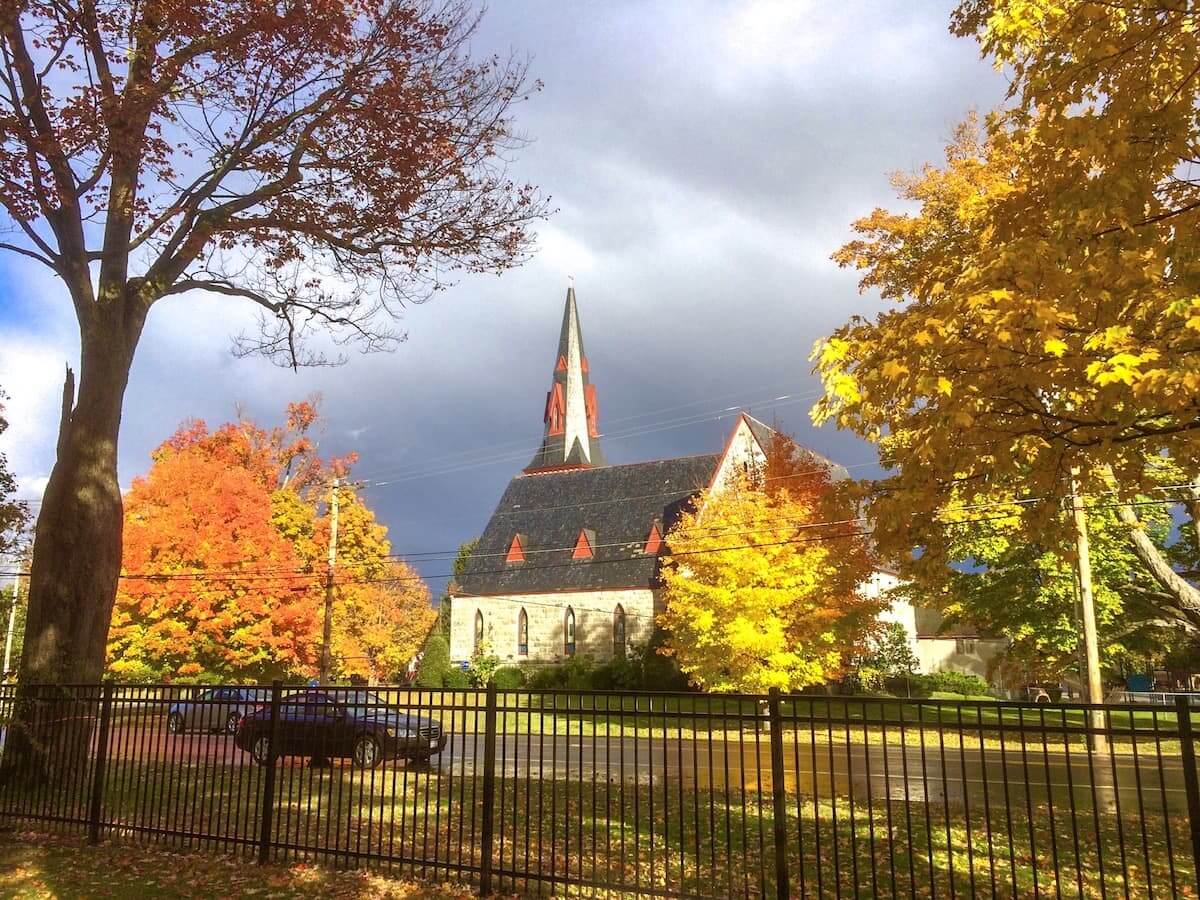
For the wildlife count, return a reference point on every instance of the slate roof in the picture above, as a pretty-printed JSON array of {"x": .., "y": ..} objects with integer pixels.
[{"x": 618, "y": 503}]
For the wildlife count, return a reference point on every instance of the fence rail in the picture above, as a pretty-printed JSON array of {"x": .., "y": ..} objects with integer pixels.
[
  {"x": 674, "y": 795},
  {"x": 1161, "y": 698}
]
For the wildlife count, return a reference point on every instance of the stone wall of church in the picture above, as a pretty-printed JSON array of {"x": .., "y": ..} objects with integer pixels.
[{"x": 594, "y": 622}]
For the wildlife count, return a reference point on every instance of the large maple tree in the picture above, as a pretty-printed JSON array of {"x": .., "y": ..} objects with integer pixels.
[
  {"x": 1047, "y": 317},
  {"x": 325, "y": 162}
]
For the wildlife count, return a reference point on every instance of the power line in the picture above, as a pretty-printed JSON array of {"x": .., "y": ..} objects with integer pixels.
[
  {"x": 522, "y": 447},
  {"x": 235, "y": 577},
  {"x": 530, "y": 448}
]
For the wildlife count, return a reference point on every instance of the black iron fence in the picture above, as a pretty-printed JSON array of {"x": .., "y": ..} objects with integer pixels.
[{"x": 598, "y": 792}]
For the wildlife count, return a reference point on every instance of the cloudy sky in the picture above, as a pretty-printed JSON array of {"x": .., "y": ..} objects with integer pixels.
[{"x": 705, "y": 160}]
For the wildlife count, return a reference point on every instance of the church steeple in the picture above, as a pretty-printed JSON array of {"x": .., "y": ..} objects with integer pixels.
[{"x": 572, "y": 437}]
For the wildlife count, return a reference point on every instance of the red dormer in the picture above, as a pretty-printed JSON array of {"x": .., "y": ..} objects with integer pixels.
[
  {"x": 516, "y": 550},
  {"x": 654, "y": 540},
  {"x": 585, "y": 544}
]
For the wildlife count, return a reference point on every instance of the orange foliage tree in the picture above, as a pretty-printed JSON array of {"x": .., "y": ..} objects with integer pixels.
[{"x": 224, "y": 569}]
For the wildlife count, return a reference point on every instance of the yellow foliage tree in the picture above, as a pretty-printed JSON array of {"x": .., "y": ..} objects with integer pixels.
[
  {"x": 382, "y": 611},
  {"x": 758, "y": 594},
  {"x": 1047, "y": 285}
]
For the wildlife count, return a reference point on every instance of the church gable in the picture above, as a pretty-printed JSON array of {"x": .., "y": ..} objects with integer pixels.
[{"x": 746, "y": 450}]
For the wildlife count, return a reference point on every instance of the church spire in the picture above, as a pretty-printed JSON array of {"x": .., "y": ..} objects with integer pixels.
[{"x": 572, "y": 438}]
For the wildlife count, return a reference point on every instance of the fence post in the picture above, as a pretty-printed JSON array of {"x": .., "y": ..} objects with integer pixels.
[
  {"x": 267, "y": 806},
  {"x": 1187, "y": 750},
  {"x": 101, "y": 763},
  {"x": 779, "y": 796},
  {"x": 489, "y": 790}
]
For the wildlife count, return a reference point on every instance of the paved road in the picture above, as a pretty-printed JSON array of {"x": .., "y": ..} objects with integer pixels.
[{"x": 897, "y": 771}]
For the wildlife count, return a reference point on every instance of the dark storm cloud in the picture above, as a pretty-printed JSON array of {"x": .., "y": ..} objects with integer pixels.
[{"x": 706, "y": 159}]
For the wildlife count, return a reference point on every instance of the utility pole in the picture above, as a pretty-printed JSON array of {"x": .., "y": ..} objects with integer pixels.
[
  {"x": 1087, "y": 606},
  {"x": 328, "y": 631},
  {"x": 12, "y": 625}
]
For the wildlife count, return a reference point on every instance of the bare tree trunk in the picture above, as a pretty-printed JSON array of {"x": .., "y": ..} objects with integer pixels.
[
  {"x": 1186, "y": 597},
  {"x": 76, "y": 556},
  {"x": 1191, "y": 502}
]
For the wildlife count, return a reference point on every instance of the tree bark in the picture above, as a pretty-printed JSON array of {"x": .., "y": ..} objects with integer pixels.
[
  {"x": 77, "y": 550},
  {"x": 1191, "y": 502},
  {"x": 1185, "y": 596},
  {"x": 76, "y": 555}
]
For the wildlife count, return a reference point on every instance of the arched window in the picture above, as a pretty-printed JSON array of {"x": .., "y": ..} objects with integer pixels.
[
  {"x": 478, "y": 629},
  {"x": 569, "y": 632},
  {"x": 619, "y": 631},
  {"x": 522, "y": 633}
]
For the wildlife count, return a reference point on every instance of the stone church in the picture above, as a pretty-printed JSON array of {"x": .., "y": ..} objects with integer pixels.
[{"x": 568, "y": 563}]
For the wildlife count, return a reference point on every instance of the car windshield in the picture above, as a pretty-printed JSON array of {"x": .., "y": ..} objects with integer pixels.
[{"x": 365, "y": 703}]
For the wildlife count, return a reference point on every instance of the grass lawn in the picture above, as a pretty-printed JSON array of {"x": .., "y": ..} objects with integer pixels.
[
  {"x": 629, "y": 834},
  {"x": 35, "y": 866}
]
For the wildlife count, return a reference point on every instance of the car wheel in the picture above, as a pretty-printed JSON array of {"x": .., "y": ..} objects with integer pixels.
[
  {"x": 367, "y": 752},
  {"x": 232, "y": 721},
  {"x": 260, "y": 750},
  {"x": 174, "y": 723}
]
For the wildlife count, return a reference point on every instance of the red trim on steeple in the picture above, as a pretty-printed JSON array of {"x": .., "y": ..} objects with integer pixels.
[
  {"x": 654, "y": 540},
  {"x": 561, "y": 365},
  {"x": 589, "y": 405},
  {"x": 556, "y": 410},
  {"x": 516, "y": 553},
  {"x": 583, "y": 546},
  {"x": 583, "y": 363}
]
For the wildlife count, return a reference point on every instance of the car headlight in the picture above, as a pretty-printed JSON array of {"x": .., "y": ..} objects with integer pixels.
[{"x": 400, "y": 732}]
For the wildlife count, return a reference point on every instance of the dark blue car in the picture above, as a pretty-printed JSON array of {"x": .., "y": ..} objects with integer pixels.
[{"x": 357, "y": 725}]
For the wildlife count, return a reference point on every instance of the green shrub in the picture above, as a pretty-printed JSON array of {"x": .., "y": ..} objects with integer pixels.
[
  {"x": 643, "y": 669},
  {"x": 575, "y": 674},
  {"x": 655, "y": 671},
  {"x": 508, "y": 678},
  {"x": 435, "y": 662},
  {"x": 456, "y": 678},
  {"x": 957, "y": 683},
  {"x": 544, "y": 678},
  {"x": 619, "y": 674},
  {"x": 483, "y": 665}
]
